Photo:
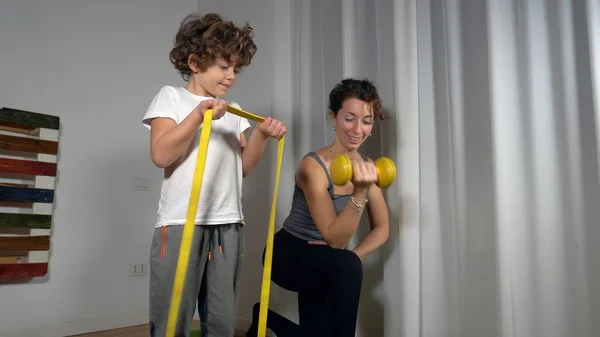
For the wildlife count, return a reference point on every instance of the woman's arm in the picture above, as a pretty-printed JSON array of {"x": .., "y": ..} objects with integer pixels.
[
  {"x": 380, "y": 224},
  {"x": 336, "y": 230}
]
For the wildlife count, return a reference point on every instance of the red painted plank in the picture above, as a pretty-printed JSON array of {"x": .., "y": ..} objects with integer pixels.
[
  {"x": 37, "y": 168},
  {"x": 23, "y": 270}
]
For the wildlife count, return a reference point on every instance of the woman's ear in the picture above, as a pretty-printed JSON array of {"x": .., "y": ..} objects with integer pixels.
[{"x": 331, "y": 117}]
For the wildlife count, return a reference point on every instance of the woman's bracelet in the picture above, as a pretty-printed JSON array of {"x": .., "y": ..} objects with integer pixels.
[{"x": 357, "y": 203}]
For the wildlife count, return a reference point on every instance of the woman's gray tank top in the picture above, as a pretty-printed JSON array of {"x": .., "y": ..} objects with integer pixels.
[{"x": 299, "y": 222}]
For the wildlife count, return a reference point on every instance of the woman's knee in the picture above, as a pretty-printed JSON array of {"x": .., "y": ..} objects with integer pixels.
[{"x": 351, "y": 265}]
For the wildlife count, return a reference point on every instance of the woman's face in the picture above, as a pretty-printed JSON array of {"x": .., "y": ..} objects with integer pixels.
[{"x": 353, "y": 123}]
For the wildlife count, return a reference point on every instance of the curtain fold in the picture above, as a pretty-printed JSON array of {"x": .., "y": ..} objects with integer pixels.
[
  {"x": 493, "y": 124},
  {"x": 509, "y": 167}
]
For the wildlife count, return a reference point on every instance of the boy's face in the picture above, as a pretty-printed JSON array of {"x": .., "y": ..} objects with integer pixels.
[{"x": 216, "y": 80}]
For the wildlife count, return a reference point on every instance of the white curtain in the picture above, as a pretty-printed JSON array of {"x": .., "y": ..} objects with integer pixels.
[
  {"x": 509, "y": 169},
  {"x": 493, "y": 125}
]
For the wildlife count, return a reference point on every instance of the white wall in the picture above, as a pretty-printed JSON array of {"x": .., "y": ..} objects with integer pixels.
[{"x": 97, "y": 65}]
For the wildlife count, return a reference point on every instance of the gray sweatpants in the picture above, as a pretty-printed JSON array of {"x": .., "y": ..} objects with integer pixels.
[{"x": 211, "y": 280}]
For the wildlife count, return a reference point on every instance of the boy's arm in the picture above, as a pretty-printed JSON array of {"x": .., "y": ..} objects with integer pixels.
[
  {"x": 252, "y": 150},
  {"x": 168, "y": 140}
]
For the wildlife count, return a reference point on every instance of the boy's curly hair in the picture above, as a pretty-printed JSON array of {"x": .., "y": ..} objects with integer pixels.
[
  {"x": 210, "y": 37},
  {"x": 363, "y": 90}
]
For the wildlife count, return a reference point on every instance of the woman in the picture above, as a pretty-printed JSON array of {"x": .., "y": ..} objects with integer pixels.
[{"x": 309, "y": 255}]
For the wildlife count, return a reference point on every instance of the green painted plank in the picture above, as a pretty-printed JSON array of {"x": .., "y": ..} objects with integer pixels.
[
  {"x": 16, "y": 220},
  {"x": 28, "y": 118}
]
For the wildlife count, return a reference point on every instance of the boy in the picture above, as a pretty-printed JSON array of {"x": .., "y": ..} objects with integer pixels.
[{"x": 208, "y": 52}]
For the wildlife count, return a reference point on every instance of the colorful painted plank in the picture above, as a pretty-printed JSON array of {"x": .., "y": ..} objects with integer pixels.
[
  {"x": 11, "y": 259},
  {"x": 8, "y": 193},
  {"x": 18, "y": 220},
  {"x": 25, "y": 243},
  {"x": 24, "y": 129},
  {"x": 28, "y": 118},
  {"x": 19, "y": 166},
  {"x": 23, "y": 270},
  {"x": 13, "y": 143},
  {"x": 26, "y": 206}
]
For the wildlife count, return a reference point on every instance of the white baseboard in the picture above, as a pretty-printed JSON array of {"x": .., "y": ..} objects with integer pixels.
[
  {"x": 79, "y": 327},
  {"x": 93, "y": 325}
]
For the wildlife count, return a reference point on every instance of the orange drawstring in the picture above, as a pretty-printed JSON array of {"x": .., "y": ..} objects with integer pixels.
[{"x": 163, "y": 248}]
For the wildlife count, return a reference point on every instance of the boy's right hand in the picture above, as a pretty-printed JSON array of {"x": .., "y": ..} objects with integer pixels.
[{"x": 219, "y": 107}]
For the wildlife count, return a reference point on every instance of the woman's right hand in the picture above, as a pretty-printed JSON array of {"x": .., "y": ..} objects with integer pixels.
[{"x": 364, "y": 174}]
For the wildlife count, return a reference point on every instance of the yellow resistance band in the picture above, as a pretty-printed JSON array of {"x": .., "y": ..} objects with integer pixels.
[{"x": 188, "y": 230}]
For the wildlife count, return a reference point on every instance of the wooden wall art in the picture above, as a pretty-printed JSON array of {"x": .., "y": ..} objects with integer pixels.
[{"x": 28, "y": 159}]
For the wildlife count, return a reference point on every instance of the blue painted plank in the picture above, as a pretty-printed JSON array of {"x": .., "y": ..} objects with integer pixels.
[{"x": 23, "y": 194}]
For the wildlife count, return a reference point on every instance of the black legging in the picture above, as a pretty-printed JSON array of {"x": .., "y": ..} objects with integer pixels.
[{"x": 328, "y": 283}]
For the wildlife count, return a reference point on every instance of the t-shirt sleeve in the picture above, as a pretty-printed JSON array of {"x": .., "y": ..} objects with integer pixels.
[
  {"x": 243, "y": 123},
  {"x": 163, "y": 105}
]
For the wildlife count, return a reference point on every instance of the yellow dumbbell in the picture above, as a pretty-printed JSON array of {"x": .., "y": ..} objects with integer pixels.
[{"x": 341, "y": 171}]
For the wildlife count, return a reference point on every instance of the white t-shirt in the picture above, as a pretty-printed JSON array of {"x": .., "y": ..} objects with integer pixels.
[{"x": 221, "y": 194}]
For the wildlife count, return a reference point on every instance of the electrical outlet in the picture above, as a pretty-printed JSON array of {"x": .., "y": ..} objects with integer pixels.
[{"x": 138, "y": 269}]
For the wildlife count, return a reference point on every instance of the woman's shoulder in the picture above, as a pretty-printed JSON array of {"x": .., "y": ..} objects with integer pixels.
[
  {"x": 316, "y": 156},
  {"x": 311, "y": 166},
  {"x": 309, "y": 161}
]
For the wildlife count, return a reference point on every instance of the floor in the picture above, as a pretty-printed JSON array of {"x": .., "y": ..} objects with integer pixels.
[{"x": 137, "y": 331}]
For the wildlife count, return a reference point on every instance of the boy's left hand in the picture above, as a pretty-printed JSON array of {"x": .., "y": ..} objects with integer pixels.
[{"x": 272, "y": 128}]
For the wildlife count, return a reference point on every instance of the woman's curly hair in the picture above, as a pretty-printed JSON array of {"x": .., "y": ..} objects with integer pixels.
[
  {"x": 210, "y": 37},
  {"x": 362, "y": 89}
]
